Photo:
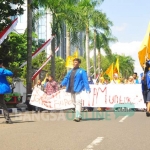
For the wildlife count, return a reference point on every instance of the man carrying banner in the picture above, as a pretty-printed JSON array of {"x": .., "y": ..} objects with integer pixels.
[
  {"x": 115, "y": 79},
  {"x": 76, "y": 81},
  {"x": 40, "y": 86},
  {"x": 4, "y": 88}
]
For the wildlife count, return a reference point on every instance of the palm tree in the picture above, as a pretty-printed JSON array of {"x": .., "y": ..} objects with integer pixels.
[
  {"x": 100, "y": 35},
  {"x": 29, "y": 47},
  {"x": 101, "y": 24},
  {"x": 63, "y": 11},
  {"x": 126, "y": 64},
  {"x": 56, "y": 9},
  {"x": 87, "y": 8},
  {"x": 102, "y": 43},
  {"x": 93, "y": 19}
]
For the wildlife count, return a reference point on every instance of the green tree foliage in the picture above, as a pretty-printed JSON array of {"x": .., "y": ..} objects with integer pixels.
[
  {"x": 60, "y": 70},
  {"x": 14, "y": 51},
  {"x": 6, "y": 11},
  {"x": 126, "y": 64}
]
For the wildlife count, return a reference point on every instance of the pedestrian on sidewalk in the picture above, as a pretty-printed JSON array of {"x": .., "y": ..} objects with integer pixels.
[
  {"x": 76, "y": 81},
  {"x": 4, "y": 88}
]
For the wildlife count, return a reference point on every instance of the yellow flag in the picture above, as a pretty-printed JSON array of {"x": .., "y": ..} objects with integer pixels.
[
  {"x": 116, "y": 68},
  {"x": 69, "y": 62},
  {"x": 75, "y": 54},
  {"x": 109, "y": 71},
  {"x": 144, "y": 51}
]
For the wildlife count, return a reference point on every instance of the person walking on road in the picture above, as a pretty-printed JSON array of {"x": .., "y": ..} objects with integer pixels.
[
  {"x": 4, "y": 88},
  {"x": 76, "y": 81},
  {"x": 147, "y": 71}
]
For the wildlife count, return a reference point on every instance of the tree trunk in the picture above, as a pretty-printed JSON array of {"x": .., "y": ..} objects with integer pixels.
[
  {"x": 99, "y": 61},
  {"x": 87, "y": 52},
  {"x": 29, "y": 47},
  {"x": 53, "y": 58},
  {"x": 68, "y": 52},
  {"x": 53, "y": 49},
  {"x": 94, "y": 58}
]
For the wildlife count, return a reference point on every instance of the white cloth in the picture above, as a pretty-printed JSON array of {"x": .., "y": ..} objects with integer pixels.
[{"x": 77, "y": 101}]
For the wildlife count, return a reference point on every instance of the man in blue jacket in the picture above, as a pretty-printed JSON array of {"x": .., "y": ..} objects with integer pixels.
[
  {"x": 76, "y": 81},
  {"x": 4, "y": 88},
  {"x": 147, "y": 72}
]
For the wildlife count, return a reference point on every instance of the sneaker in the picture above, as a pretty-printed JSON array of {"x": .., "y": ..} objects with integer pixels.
[
  {"x": 86, "y": 110},
  {"x": 147, "y": 114},
  {"x": 80, "y": 118},
  {"x": 9, "y": 121},
  {"x": 77, "y": 119}
]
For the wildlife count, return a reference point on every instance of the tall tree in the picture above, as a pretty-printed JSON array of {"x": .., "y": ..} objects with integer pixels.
[
  {"x": 56, "y": 9},
  {"x": 29, "y": 46},
  {"x": 102, "y": 43},
  {"x": 90, "y": 14},
  {"x": 63, "y": 11},
  {"x": 87, "y": 8}
]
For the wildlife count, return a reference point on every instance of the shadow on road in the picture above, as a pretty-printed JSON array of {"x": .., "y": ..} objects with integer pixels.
[
  {"x": 20, "y": 121},
  {"x": 92, "y": 119},
  {"x": 11, "y": 116}
]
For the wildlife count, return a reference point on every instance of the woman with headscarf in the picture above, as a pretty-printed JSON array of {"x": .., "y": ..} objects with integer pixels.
[{"x": 115, "y": 79}]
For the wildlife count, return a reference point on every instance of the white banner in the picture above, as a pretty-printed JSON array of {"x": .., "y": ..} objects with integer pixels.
[{"x": 100, "y": 96}]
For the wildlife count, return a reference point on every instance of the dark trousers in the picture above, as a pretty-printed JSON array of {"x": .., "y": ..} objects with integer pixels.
[
  {"x": 37, "y": 108},
  {"x": 4, "y": 107}
]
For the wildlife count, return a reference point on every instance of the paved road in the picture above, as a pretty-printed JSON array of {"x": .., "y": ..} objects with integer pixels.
[{"x": 57, "y": 131}]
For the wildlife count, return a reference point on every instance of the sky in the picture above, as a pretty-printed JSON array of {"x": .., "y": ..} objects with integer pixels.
[{"x": 130, "y": 21}]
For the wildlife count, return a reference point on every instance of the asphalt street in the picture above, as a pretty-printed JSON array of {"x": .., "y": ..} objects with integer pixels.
[{"x": 57, "y": 131}]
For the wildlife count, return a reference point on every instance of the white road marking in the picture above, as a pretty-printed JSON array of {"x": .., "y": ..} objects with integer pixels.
[
  {"x": 94, "y": 143},
  {"x": 123, "y": 118}
]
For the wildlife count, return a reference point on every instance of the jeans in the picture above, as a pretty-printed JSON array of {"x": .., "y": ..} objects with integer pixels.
[
  {"x": 4, "y": 107},
  {"x": 77, "y": 101}
]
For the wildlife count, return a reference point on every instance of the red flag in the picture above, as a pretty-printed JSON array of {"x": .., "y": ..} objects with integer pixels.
[
  {"x": 47, "y": 60},
  {"x": 39, "y": 50},
  {"x": 7, "y": 30}
]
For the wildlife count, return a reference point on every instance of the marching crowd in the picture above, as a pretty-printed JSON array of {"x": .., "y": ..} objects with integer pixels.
[
  {"x": 75, "y": 81},
  {"x": 116, "y": 80}
]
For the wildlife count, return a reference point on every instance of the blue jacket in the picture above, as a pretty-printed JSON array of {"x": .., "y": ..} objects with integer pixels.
[
  {"x": 144, "y": 85},
  {"x": 4, "y": 86},
  {"x": 80, "y": 81},
  {"x": 148, "y": 79}
]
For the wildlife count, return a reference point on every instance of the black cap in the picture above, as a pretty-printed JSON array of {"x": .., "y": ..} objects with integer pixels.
[{"x": 1, "y": 61}]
